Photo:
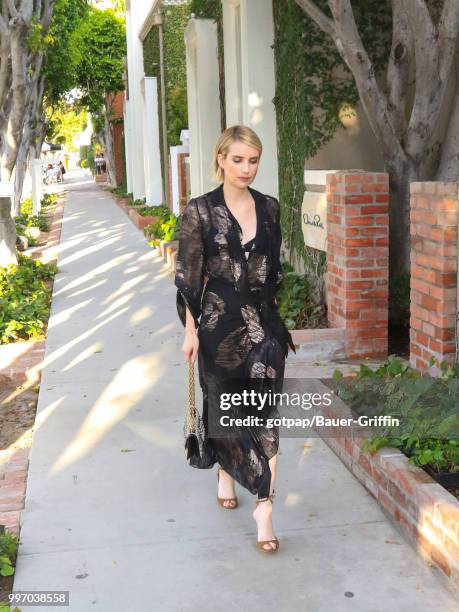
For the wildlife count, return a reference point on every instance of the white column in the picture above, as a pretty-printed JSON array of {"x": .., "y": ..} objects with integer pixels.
[
  {"x": 135, "y": 76},
  {"x": 175, "y": 151},
  {"x": 250, "y": 79},
  {"x": 37, "y": 184},
  {"x": 153, "y": 180},
  {"x": 203, "y": 101},
  {"x": 127, "y": 145}
]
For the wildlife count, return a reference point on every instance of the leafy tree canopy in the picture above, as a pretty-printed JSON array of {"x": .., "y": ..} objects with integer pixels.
[
  {"x": 100, "y": 46},
  {"x": 64, "y": 123}
]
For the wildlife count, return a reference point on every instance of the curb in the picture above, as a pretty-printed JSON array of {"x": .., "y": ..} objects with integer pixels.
[
  {"x": 14, "y": 465},
  {"x": 21, "y": 361}
]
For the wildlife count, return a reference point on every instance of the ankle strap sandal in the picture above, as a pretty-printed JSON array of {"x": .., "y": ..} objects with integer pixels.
[
  {"x": 270, "y": 498},
  {"x": 261, "y": 544},
  {"x": 221, "y": 500}
]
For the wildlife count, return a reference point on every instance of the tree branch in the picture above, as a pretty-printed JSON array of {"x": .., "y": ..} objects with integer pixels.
[
  {"x": 26, "y": 11},
  {"x": 311, "y": 9},
  {"x": 13, "y": 10},
  {"x": 398, "y": 68},
  {"x": 433, "y": 66},
  {"x": 372, "y": 97},
  {"x": 3, "y": 27},
  {"x": 448, "y": 26},
  {"x": 448, "y": 169},
  {"x": 47, "y": 15}
]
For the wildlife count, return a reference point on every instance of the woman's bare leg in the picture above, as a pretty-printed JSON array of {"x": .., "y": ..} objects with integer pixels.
[
  {"x": 226, "y": 488},
  {"x": 263, "y": 511}
]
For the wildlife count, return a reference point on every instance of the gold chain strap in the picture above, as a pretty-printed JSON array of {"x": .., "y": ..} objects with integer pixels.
[{"x": 191, "y": 412}]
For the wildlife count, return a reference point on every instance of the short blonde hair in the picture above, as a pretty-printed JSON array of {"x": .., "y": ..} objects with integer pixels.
[{"x": 235, "y": 133}]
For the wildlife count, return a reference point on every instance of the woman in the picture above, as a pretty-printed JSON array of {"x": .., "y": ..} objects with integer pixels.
[{"x": 232, "y": 237}]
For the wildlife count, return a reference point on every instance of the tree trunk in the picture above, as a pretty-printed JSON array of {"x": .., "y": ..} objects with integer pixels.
[
  {"x": 21, "y": 169},
  {"x": 402, "y": 128},
  {"x": 400, "y": 177},
  {"x": 7, "y": 234},
  {"x": 7, "y": 227}
]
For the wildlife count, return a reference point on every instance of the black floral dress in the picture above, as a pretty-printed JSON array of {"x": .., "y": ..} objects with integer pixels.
[{"x": 229, "y": 289}]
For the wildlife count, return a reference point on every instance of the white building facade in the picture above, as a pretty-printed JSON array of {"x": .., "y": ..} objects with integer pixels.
[
  {"x": 249, "y": 84},
  {"x": 141, "y": 112}
]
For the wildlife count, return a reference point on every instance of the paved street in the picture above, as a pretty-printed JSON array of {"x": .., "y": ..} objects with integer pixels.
[{"x": 113, "y": 513}]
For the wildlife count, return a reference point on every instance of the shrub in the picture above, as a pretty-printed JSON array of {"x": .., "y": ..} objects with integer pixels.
[
  {"x": 26, "y": 206},
  {"x": 39, "y": 221},
  {"x": 48, "y": 199},
  {"x": 166, "y": 227},
  {"x": 295, "y": 304},
  {"x": 24, "y": 299},
  {"x": 8, "y": 551},
  {"x": 84, "y": 163},
  {"x": 118, "y": 191},
  {"x": 427, "y": 409},
  {"x": 154, "y": 211}
]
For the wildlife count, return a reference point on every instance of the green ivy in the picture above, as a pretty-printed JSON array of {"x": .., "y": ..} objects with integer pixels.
[
  {"x": 175, "y": 19},
  {"x": 294, "y": 299}
]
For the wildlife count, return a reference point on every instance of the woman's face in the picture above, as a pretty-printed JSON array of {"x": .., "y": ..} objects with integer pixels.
[{"x": 240, "y": 164}]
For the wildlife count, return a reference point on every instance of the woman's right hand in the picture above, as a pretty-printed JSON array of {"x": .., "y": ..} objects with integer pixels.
[{"x": 190, "y": 346}]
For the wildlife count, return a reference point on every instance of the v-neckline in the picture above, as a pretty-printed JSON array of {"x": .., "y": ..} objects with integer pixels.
[{"x": 257, "y": 216}]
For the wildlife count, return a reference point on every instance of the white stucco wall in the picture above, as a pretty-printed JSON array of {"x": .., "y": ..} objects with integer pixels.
[{"x": 142, "y": 142}]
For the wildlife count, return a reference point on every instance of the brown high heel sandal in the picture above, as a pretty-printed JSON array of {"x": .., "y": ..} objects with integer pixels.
[
  {"x": 262, "y": 543},
  {"x": 222, "y": 500}
]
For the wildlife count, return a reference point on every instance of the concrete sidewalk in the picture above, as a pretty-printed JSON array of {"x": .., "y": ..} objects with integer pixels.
[{"x": 113, "y": 513}]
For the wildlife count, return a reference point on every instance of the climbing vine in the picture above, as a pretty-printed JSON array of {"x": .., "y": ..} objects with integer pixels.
[
  {"x": 175, "y": 21},
  {"x": 313, "y": 88}
]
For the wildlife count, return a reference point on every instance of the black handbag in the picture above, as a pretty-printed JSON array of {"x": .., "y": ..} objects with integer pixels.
[{"x": 197, "y": 445}]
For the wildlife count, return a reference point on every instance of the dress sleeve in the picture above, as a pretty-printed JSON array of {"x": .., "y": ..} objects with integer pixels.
[{"x": 189, "y": 272}]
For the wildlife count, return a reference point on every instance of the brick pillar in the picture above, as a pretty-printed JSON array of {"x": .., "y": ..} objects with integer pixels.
[
  {"x": 433, "y": 285},
  {"x": 357, "y": 259}
]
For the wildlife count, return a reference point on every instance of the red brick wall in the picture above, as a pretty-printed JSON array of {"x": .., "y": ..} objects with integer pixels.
[
  {"x": 118, "y": 104},
  {"x": 117, "y": 101},
  {"x": 357, "y": 259},
  {"x": 118, "y": 135},
  {"x": 434, "y": 251}
]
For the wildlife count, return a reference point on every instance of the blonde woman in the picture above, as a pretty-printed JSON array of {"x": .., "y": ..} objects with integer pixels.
[{"x": 231, "y": 238}]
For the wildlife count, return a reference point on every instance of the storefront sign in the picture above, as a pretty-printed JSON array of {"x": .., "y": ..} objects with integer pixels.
[{"x": 314, "y": 219}]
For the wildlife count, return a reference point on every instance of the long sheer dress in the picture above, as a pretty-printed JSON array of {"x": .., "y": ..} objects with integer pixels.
[{"x": 229, "y": 289}]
